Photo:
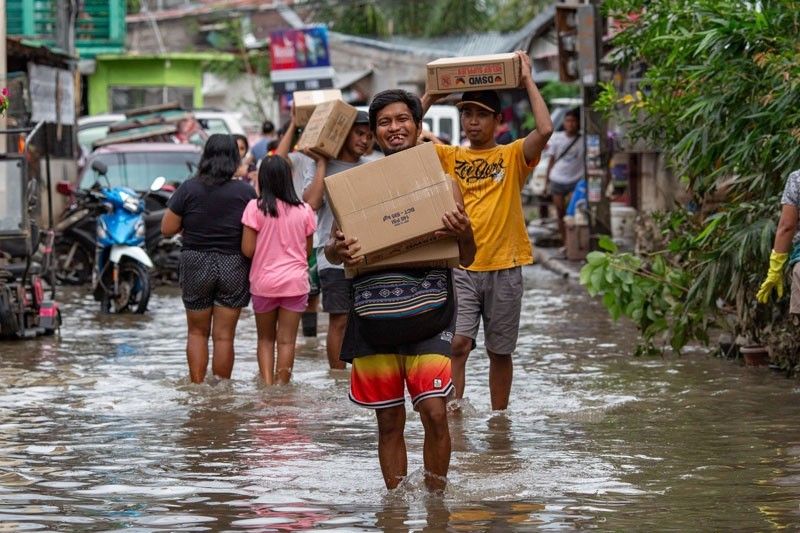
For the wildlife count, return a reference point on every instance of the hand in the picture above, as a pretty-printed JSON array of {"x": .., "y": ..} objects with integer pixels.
[
  {"x": 425, "y": 135},
  {"x": 774, "y": 277},
  {"x": 457, "y": 224},
  {"x": 346, "y": 249},
  {"x": 430, "y": 99},
  {"x": 318, "y": 158},
  {"x": 526, "y": 68}
]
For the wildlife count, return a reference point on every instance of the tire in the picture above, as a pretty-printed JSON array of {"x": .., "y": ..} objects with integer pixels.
[
  {"x": 79, "y": 269},
  {"x": 134, "y": 280}
]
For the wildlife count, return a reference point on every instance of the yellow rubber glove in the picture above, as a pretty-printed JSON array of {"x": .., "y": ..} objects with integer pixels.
[{"x": 774, "y": 277}]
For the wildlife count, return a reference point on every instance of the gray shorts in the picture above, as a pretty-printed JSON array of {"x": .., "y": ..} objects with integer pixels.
[
  {"x": 794, "y": 300},
  {"x": 337, "y": 297},
  {"x": 496, "y": 297}
]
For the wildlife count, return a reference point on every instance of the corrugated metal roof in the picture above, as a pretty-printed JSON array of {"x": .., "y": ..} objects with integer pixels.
[{"x": 461, "y": 45}]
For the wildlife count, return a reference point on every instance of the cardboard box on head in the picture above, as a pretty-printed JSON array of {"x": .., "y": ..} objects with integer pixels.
[
  {"x": 306, "y": 101},
  {"x": 473, "y": 73},
  {"x": 328, "y": 128},
  {"x": 394, "y": 204}
]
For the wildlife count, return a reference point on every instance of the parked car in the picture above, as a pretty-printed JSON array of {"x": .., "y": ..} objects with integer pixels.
[
  {"x": 95, "y": 127},
  {"x": 135, "y": 165}
]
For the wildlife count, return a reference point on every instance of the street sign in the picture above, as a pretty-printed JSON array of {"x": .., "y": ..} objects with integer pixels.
[{"x": 300, "y": 59}]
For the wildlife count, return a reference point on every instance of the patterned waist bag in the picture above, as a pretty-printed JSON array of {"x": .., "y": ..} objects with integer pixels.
[{"x": 396, "y": 308}]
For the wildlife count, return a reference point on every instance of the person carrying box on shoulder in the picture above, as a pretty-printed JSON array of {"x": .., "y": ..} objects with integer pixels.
[
  {"x": 400, "y": 328},
  {"x": 491, "y": 177},
  {"x": 335, "y": 287}
]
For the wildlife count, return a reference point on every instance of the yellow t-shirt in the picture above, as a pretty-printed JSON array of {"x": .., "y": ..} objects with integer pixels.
[{"x": 491, "y": 181}]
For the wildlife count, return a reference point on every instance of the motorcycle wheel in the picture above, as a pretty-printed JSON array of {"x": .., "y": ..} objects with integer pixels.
[
  {"x": 74, "y": 263},
  {"x": 134, "y": 288}
]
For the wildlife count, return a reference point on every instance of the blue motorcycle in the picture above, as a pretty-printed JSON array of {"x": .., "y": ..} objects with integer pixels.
[{"x": 121, "y": 275}]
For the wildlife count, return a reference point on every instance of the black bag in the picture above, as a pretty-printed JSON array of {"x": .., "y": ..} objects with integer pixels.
[{"x": 397, "y": 308}]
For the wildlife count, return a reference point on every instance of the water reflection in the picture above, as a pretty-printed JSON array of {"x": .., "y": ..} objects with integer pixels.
[{"x": 101, "y": 430}]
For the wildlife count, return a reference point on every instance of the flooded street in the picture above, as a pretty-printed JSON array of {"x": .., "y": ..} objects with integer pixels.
[{"x": 101, "y": 430}]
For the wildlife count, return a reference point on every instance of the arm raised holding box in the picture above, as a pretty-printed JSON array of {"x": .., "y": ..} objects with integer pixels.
[
  {"x": 285, "y": 145},
  {"x": 537, "y": 139},
  {"x": 313, "y": 194}
]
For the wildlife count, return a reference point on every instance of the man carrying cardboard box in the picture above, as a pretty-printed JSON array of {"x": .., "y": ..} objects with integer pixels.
[
  {"x": 336, "y": 288},
  {"x": 400, "y": 330},
  {"x": 491, "y": 177}
]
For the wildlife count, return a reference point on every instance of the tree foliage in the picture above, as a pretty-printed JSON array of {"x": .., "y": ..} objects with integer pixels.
[
  {"x": 719, "y": 99},
  {"x": 424, "y": 18}
]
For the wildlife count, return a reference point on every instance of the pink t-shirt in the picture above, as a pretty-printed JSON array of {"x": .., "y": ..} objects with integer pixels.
[{"x": 280, "y": 264}]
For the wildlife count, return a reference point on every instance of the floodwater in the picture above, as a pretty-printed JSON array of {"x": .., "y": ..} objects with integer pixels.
[{"x": 101, "y": 430}]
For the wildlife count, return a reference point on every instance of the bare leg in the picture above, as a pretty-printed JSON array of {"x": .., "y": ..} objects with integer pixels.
[
  {"x": 223, "y": 330},
  {"x": 288, "y": 322},
  {"x": 501, "y": 372},
  {"x": 266, "y": 324},
  {"x": 336, "y": 327},
  {"x": 197, "y": 343},
  {"x": 459, "y": 353},
  {"x": 392, "y": 444},
  {"x": 436, "y": 449},
  {"x": 560, "y": 203}
]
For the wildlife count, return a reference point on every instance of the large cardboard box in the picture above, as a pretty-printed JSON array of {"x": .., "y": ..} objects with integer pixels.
[
  {"x": 328, "y": 128},
  {"x": 306, "y": 101},
  {"x": 473, "y": 73},
  {"x": 394, "y": 204},
  {"x": 438, "y": 254}
]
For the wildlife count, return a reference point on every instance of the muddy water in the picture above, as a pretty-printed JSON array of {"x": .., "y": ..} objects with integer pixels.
[{"x": 100, "y": 430}]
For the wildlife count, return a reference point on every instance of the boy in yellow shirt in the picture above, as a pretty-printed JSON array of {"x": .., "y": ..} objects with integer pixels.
[{"x": 491, "y": 177}]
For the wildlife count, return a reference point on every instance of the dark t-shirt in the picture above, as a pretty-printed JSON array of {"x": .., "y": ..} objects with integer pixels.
[{"x": 212, "y": 214}]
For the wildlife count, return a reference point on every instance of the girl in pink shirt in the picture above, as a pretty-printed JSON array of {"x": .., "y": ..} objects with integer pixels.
[{"x": 278, "y": 228}]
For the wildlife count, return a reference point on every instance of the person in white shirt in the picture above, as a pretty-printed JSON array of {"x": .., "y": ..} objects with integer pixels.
[{"x": 565, "y": 169}]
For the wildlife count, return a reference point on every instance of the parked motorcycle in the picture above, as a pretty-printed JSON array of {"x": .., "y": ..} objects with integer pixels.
[
  {"x": 121, "y": 274},
  {"x": 75, "y": 236}
]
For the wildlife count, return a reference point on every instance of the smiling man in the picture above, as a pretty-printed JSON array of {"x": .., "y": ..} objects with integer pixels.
[
  {"x": 411, "y": 351},
  {"x": 491, "y": 177}
]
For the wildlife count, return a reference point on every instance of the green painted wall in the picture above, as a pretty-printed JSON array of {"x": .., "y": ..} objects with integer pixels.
[{"x": 127, "y": 71}]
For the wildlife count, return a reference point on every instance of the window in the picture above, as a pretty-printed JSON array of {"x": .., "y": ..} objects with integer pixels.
[
  {"x": 137, "y": 170},
  {"x": 127, "y": 98},
  {"x": 214, "y": 125}
]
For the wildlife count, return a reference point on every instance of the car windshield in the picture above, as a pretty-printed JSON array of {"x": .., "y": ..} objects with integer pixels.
[{"x": 137, "y": 170}]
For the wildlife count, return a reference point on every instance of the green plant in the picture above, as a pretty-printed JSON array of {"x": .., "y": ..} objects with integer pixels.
[{"x": 718, "y": 97}]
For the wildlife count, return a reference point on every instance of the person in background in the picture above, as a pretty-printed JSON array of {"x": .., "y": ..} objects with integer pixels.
[
  {"x": 785, "y": 248},
  {"x": 302, "y": 164},
  {"x": 336, "y": 288},
  {"x": 261, "y": 146},
  {"x": 188, "y": 130},
  {"x": 278, "y": 230},
  {"x": 491, "y": 177},
  {"x": 565, "y": 168},
  {"x": 213, "y": 272},
  {"x": 246, "y": 165}
]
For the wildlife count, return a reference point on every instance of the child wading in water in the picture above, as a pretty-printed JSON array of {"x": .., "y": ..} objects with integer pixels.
[{"x": 278, "y": 229}]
